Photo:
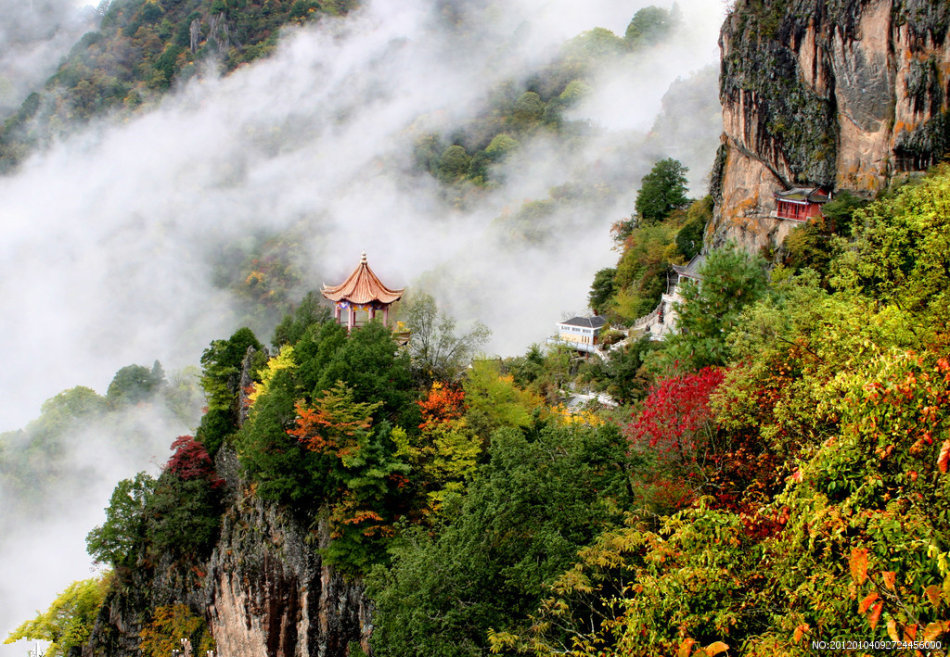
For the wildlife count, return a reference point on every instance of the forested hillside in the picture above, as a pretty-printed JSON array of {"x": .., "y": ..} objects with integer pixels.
[
  {"x": 769, "y": 478},
  {"x": 139, "y": 49},
  {"x": 782, "y": 480}
]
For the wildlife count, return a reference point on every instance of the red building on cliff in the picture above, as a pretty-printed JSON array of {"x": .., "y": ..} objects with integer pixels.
[{"x": 800, "y": 203}]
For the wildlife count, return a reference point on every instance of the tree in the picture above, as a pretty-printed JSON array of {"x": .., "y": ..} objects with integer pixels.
[
  {"x": 121, "y": 536},
  {"x": 494, "y": 401},
  {"x": 134, "y": 383},
  {"x": 731, "y": 280},
  {"x": 220, "y": 377},
  {"x": 312, "y": 310},
  {"x": 602, "y": 289},
  {"x": 437, "y": 353},
  {"x": 454, "y": 163},
  {"x": 371, "y": 363},
  {"x": 171, "y": 624},
  {"x": 662, "y": 191},
  {"x": 69, "y": 620},
  {"x": 648, "y": 26},
  {"x": 364, "y": 471},
  {"x": 675, "y": 425},
  {"x": 621, "y": 376},
  {"x": 689, "y": 239},
  {"x": 901, "y": 254},
  {"x": 522, "y": 521}
]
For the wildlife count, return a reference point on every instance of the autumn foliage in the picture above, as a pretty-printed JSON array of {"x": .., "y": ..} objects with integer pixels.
[
  {"x": 442, "y": 404},
  {"x": 190, "y": 460}
]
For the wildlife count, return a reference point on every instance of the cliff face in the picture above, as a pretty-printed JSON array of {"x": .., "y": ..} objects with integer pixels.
[
  {"x": 844, "y": 94},
  {"x": 269, "y": 593},
  {"x": 264, "y": 590}
]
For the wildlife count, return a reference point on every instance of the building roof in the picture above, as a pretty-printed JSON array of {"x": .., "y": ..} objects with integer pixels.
[
  {"x": 691, "y": 270},
  {"x": 804, "y": 195},
  {"x": 594, "y": 322},
  {"x": 362, "y": 286}
]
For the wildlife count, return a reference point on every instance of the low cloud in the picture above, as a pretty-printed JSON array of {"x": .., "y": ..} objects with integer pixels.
[{"x": 111, "y": 237}]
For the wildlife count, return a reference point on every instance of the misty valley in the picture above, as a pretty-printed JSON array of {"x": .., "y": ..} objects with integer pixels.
[{"x": 349, "y": 328}]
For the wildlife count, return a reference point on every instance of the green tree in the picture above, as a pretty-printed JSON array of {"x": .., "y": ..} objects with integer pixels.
[
  {"x": 120, "y": 538},
  {"x": 69, "y": 620},
  {"x": 648, "y": 26},
  {"x": 731, "y": 280},
  {"x": 134, "y": 383},
  {"x": 528, "y": 110},
  {"x": 372, "y": 364},
  {"x": 312, "y": 310},
  {"x": 689, "y": 239},
  {"x": 454, "y": 163},
  {"x": 494, "y": 401},
  {"x": 901, "y": 254},
  {"x": 532, "y": 507},
  {"x": 182, "y": 517},
  {"x": 662, "y": 191},
  {"x": 602, "y": 290},
  {"x": 622, "y": 375},
  {"x": 220, "y": 377},
  {"x": 500, "y": 146},
  {"x": 438, "y": 354}
]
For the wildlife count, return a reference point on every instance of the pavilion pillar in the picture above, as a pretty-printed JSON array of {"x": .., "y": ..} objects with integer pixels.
[
  {"x": 336, "y": 313},
  {"x": 372, "y": 312},
  {"x": 386, "y": 315},
  {"x": 351, "y": 320}
]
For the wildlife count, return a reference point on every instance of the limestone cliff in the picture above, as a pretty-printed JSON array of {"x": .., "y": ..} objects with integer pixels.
[
  {"x": 843, "y": 94},
  {"x": 264, "y": 590}
]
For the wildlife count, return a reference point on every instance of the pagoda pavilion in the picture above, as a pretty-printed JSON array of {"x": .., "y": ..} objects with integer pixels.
[{"x": 361, "y": 291}]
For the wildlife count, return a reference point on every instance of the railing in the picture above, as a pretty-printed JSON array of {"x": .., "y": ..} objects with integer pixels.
[
  {"x": 646, "y": 320},
  {"x": 576, "y": 346}
]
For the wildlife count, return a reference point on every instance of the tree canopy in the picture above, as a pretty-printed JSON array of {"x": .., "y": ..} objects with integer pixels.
[{"x": 662, "y": 191}]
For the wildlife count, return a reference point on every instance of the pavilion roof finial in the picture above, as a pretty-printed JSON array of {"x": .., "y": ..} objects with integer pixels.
[{"x": 363, "y": 257}]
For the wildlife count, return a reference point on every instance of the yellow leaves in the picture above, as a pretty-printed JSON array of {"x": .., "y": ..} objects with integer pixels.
[
  {"x": 715, "y": 648},
  {"x": 867, "y": 602},
  {"x": 944, "y": 459},
  {"x": 889, "y": 577},
  {"x": 935, "y": 629},
  {"x": 500, "y": 641},
  {"x": 800, "y": 632},
  {"x": 859, "y": 565},
  {"x": 933, "y": 594},
  {"x": 282, "y": 361},
  {"x": 892, "y": 630},
  {"x": 685, "y": 648}
]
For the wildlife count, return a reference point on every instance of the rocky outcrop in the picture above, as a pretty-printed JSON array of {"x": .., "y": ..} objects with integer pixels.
[
  {"x": 844, "y": 94},
  {"x": 270, "y": 594},
  {"x": 264, "y": 591}
]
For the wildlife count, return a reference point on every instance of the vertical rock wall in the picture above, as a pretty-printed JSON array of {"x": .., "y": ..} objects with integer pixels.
[
  {"x": 270, "y": 595},
  {"x": 264, "y": 591},
  {"x": 840, "y": 93}
]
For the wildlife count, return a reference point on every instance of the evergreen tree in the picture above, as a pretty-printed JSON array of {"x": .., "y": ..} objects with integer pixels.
[{"x": 662, "y": 191}]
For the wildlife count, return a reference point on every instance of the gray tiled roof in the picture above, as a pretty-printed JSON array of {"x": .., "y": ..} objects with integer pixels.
[
  {"x": 692, "y": 269},
  {"x": 587, "y": 322}
]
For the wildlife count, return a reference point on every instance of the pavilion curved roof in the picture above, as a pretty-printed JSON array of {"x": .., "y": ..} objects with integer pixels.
[{"x": 362, "y": 286}]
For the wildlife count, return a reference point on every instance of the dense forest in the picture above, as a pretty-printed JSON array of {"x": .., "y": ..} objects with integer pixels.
[
  {"x": 778, "y": 475},
  {"x": 771, "y": 475}
]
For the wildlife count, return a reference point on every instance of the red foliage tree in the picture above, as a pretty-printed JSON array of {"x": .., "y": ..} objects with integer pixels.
[
  {"x": 190, "y": 460},
  {"x": 441, "y": 405},
  {"x": 676, "y": 414},
  {"x": 676, "y": 424}
]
